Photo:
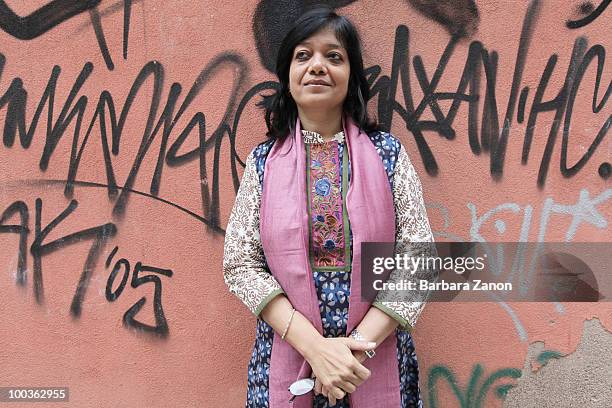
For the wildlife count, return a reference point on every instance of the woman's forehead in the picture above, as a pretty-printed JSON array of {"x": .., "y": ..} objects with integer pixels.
[{"x": 326, "y": 37}]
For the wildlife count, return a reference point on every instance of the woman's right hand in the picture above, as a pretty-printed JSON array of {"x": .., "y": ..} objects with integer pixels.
[{"x": 333, "y": 363}]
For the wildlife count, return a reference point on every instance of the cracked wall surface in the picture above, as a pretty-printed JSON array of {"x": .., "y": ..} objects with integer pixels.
[{"x": 580, "y": 379}]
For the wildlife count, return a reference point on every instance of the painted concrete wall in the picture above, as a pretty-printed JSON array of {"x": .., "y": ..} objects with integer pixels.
[{"x": 125, "y": 128}]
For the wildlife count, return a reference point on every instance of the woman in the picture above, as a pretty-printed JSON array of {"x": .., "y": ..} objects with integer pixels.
[{"x": 332, "y": 180}]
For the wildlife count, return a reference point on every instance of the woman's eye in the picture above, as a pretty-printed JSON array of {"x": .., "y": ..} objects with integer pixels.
[
  {"x": 335, "y": 56},
  {"x": 301, "y": 55}
]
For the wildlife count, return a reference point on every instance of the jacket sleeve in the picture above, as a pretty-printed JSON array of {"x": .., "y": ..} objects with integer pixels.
[
  {"x": 413, "y": 236},
  {"x": 244, "y": 265}
]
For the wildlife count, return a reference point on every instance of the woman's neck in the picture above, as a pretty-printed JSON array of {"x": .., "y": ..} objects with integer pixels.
[{"x": 325, "y": 123}]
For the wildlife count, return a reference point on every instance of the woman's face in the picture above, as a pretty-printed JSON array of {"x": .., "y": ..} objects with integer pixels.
[{"x": 319, "y": 72}]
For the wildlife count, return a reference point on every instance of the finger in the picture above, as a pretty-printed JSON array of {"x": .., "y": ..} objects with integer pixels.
[
  {"x": 331, "y": 398},
  {"x": 325, "y": 391},
  {"x": 348, "y": 387},
  {"x": 318, "y": 387},
  {"x": 359, "y": 345},
  {"x": 334, "y": 394},
  {"x": 360, "y": 356},
  {"x": 338, "y": 393},
  {"x": 361, "y": 373}
]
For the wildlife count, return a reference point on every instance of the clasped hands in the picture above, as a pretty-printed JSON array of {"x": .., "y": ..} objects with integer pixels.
[{"x": 336, "y": 363}]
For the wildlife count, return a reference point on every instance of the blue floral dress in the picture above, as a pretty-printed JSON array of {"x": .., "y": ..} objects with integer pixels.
[{"x": 330, "y": 254}]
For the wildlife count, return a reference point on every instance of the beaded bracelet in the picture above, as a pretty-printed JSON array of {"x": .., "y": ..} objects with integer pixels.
[{"x": 288, "y": 324}]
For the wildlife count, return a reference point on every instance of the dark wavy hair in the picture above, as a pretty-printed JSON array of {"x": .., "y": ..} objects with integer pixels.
[{"x": 281, "y": 110}]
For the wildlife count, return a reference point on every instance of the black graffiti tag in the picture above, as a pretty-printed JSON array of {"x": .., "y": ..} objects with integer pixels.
[
  {"x": 129, "y": 320},
  {"x": 43, "y": 19},
  {"x": 573, "y": 24},
  {"x": 40, "y": 248}
]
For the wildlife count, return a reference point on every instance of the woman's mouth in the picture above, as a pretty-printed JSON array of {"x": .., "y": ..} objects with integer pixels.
[{"x": 317, "y": 82}]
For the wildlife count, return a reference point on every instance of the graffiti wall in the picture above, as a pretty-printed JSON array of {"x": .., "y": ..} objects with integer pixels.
[{"x": 125, "y": 127}]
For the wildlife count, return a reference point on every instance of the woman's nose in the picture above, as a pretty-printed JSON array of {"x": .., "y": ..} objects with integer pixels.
[{"x": 316, "y": 65}]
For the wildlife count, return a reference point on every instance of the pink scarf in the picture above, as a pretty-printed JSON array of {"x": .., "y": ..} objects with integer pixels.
[{"x": 284, "y": 230}]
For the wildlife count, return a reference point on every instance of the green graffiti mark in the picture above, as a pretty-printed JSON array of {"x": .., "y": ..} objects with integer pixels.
[
  {"x": 475, "y": 393},
  {"x": 546, "y": 355}
]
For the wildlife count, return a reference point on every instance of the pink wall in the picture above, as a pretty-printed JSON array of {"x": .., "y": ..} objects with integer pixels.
[{"x": 55, "y": 335}]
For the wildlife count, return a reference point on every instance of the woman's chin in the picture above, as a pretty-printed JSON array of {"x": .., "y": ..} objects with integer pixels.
[{"x": 318, "y": 102}]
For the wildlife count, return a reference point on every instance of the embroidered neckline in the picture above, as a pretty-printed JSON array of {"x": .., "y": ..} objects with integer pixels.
[{"x": 315, "y": 137}]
